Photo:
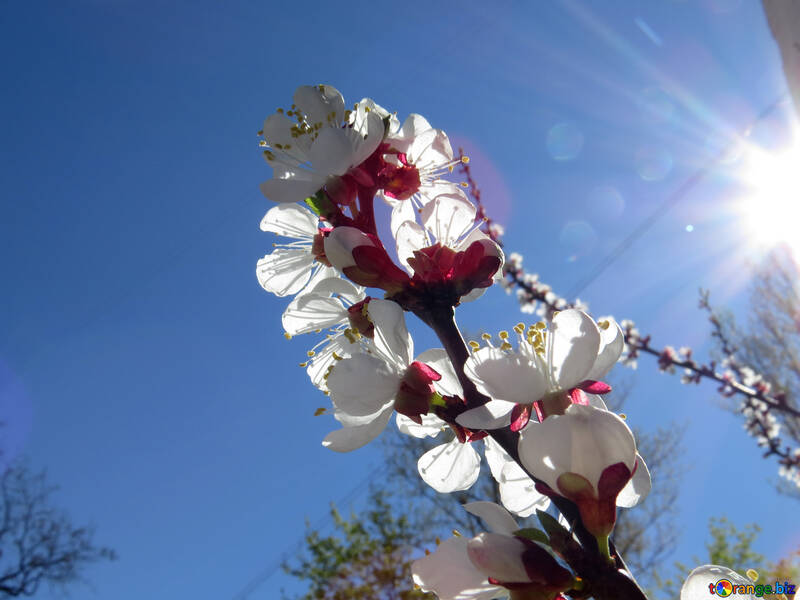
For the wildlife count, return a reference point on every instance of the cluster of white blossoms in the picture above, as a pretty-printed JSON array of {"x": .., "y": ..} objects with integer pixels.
[
  {"x": 763, "y": 409},
  {"x": 531, "y": 399}
]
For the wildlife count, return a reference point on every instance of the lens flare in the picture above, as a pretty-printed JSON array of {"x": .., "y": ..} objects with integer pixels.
[{"x": 771, "y": 206}]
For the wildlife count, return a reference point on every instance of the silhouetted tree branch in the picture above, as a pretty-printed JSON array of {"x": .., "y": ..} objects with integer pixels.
[{"x": 39, "y": 543}]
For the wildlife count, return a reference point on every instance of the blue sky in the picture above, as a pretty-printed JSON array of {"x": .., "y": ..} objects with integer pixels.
[{"x": 143, "y": 366}]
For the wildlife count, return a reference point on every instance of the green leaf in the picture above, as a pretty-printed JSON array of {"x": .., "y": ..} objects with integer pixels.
[
  {"x": 533, "y": 534},
  {"x": 551, "y": 524},
  {"x": 437, "y": 400},
  {"x": 320, "y": 203}
]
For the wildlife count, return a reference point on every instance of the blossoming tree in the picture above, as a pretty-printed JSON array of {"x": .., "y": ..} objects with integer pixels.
[{"x": 530, "y": 399}]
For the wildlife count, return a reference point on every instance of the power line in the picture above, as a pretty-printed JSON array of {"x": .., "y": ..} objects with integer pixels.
[{"x": 691, "y": 182}]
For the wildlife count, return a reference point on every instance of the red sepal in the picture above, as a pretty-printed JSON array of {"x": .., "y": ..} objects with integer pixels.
[
  {"x": 594, "y": 387},
  {"x": 520, "y": 415}
]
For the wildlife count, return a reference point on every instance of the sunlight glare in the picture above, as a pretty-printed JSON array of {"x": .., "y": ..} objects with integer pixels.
[{"x": 772, "y": 205}]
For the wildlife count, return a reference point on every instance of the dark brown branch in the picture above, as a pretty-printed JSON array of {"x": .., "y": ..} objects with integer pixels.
[{"x": 608, "y": 582}]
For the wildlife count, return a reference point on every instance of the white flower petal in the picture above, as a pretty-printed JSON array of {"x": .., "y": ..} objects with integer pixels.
[
  {"x": 574, "y": 340},
  {"x": 518, "y": 491},
  {"x": 278, "y": 129},
  {"x": 296, "y": 188},
  {"x": 339, "y": 245},
  {"x": 351, "y": 438},
  {"x": 333, "y": 152},
  {"x": 392, "y": 340},
  {"x": 584, "y": 440},
  {"x": 311, "y": 311},
  {"x": 413, "y": 126},
  {"x": 336, "y": 286},
  {"x": 449, "y": 573},
  {"x": 321, "y": 104},
  {"x": 495, "y": 414},
  {"x": 428, "y": 149},
  {"x": 402, "y": 210},
  {"x": 474, "y": 294},
  {"x": 596, "y": 401},
  {"x": 499, "y": 556},
  {"x": 638, "y": 487},
  {"x": 290, "y": 220},
  {"x": 450, "y": 467},
  {"x": 497, "y": 518},
  {"x": 496, "y": 457},
  {"x": 285, "y": 272},
  {"x": 437, "y": 359},
  {"x": 612, "y": 342},
  {"x": 505, "y": 376},
  {"x": 449, "y": 217},
  {"x": 409, "y": 237},
  {"x": 323, "y": 359},
  {"x": 431, "y": 426},
  {"x": 361, "y": 114},
  {"x": 367, "y": 140},
  {"x": 361, "y": 384}
]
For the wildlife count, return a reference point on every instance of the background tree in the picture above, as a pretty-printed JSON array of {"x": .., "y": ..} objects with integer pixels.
[
  {"x": 39, "y": 543},
  {"x": 732, "y": 547},
  {"x": 768, "y": 344},
  {"x": 368, "y": 557}
]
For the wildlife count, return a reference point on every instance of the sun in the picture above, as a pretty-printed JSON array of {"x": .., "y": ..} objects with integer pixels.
[{"x": 771, "y": 204}]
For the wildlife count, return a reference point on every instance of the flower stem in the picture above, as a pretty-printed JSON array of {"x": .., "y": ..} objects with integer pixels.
[
  {"x": 609, "y": 579},
  {"x": 602, "y": 545}
]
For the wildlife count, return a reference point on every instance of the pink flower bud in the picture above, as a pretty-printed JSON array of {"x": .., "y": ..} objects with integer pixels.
[
  {"x": 363, "y": 260},
  {"x": 416, "y": 391},
  {"x": 586, "y": 455},
  {"x": 519, "y": 565}
]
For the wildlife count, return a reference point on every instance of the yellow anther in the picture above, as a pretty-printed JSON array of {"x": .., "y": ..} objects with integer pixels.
[
  {"x": 463, "y": 184},
  {"x": 287, "y": 336},
  {"x": 320, "y": 411},
  {"x": 262, "y": 143},
  {"x": 279, "y": 110},
  {"x": 427, "y": 553},
  {"x": 465, "y": 159},
  {"x": 457, "y": 533},
  {"x": 310, "y": 353},
  {"x": 623, "y": 416},
  {"x": 336, "y": 356},
  {"x": 603, "y": 324},
  {"x": 486, "y": 336},
  {"x": 260, "y": 132},
  {"x": 304, "y": 364},
  {"x": 505, "y": 346},
  {"x": 540, "y": 325},
  {"x": 752, "y": 574},
  {"x": 437, "y": 540},
  {"x": 318, "y": 331},
  {"x": 474, "y": 345},
  {"x": 327, "y": 393},
  {"x": 503, "y": 335}
]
